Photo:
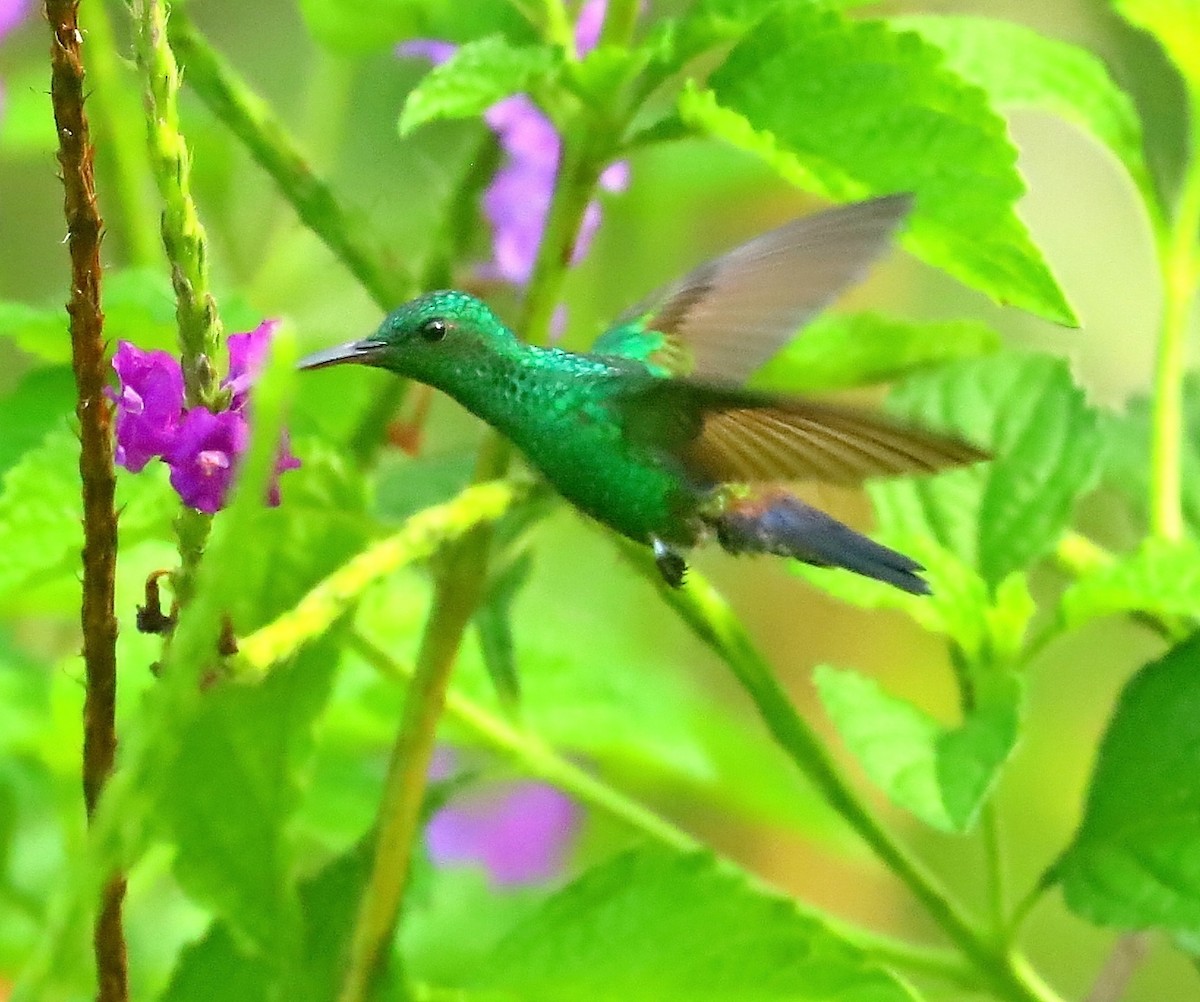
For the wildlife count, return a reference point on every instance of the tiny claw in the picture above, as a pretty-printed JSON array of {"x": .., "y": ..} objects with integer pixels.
[{"x": 670, "y": 564}]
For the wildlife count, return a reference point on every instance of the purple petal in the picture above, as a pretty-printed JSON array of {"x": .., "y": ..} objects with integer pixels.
[
  {"x": 520, "y": 833},
  {"x": 12, "y": 13},
  {"x": 284, "y": 461},
  {"x": 518, "y": 198},
  {"x": 588, "y": 26},
  {"x": 205, "y": 455},
  {"x": 433, "y": 49},
  {"x": 247, "y": 356},
  {"x": 149, "y": 404}
]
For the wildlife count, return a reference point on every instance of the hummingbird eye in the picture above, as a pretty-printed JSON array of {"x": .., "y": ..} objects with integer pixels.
[{"x": 433, "y": 330}]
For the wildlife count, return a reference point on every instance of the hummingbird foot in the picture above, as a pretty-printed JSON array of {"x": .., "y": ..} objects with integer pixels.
[
  {"x": 779, "y": 522},
  {"x": 671, "y": 564}
]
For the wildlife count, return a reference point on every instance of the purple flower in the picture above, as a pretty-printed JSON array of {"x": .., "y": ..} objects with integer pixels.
[
  {"x": 519, "y": 832},
  {"x": 149, "y": 404},
  {"x": 204, "y": 456},
  {"x": 518, "y": 199},
  {"x": 202, "y": 448}
]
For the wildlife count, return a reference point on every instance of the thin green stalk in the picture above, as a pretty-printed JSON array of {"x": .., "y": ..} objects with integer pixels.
[
  {"x": 457, "y": 591},
  {"x": 710, "y": 617},
  {"x": 1180, "y": 263},
  {"x": 994, "y": 875},
  {"x": 556, "y": 25},
  {"x": 186, "y": 246},
  {"x": 251, "y": 119},
  {"x": 118, "y": 114},
  {"x": 541, "y": 761},
  {"x": 182, "y": 232},
  {"x": 620, "y": 18}
]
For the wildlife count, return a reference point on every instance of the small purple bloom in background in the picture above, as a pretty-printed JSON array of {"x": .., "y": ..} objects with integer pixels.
[
  {"x": 202, "y": 448},
  {"x": 519, "y": 832},
  {"x": 518, "y": 199}
]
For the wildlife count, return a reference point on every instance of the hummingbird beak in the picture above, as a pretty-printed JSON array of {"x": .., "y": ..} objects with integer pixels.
[{"x": 363, "y": 352}]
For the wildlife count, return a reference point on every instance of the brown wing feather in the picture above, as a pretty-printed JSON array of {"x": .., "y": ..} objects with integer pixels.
[
  {"x": 733, "y": 313},
  {"x": 793, "y": 440}
]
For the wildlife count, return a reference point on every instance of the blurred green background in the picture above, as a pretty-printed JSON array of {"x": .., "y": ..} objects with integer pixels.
[{"x": 686, "y": 202}]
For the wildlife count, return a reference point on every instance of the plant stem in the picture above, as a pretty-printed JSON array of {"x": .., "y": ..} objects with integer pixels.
[
  {"x": 457, "y": 591},
  {"x": 182, "y": 232},
  {"x": 710, "y": 617},
  {"x": 251, "y": 119},
  {"x": 184, "y": 240},
  {"x": 1180, "y": 265},
  {"x": 118, "y": 112},
  {"x": 542, "y": 762},
  {"x": 97, "y": 615}
]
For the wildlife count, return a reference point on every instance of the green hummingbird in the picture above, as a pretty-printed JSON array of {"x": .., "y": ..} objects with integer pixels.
[{"x": 650, "y": 432}]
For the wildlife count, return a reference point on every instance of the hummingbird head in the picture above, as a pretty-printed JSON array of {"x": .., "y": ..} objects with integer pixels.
[{"x": 432, "y": 338}]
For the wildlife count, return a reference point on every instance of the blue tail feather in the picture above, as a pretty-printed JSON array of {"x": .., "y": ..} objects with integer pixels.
[{"x": 782, "y": 524}]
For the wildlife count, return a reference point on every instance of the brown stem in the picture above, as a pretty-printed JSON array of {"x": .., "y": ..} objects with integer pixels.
[{"x": 84, "y": 231}]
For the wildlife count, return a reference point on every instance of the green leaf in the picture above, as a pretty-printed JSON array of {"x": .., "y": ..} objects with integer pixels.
[
  {"x": 1161, "y": 579},
  {"x": 1019, "y": 67},
  {"x": 139, "y": 306},
  {"x": 988, "y": 626},
  {"x": 1002, "y": 515},
  {"x": 842, "y": 350},
  {"x": 477, "y": 76},
  {"x": 1176, "y": 25},
  {"x": 1135, "y": 861},
  {"x": 850, "y": 108},
  {"x": 215, "y": 969},
  {"x": 1127, "y": 465},
  {"x": 941, "y": 774},
  {"x": 229, "y": 787},
  {"x": 655, "y": 925},
  {"x": 40, "y": 401},
  {"x": 40, "y": 510}
]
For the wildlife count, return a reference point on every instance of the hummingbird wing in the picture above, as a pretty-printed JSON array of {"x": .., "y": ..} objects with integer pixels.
[
  {"x": 723, "y": 320},
  {"x": 727, "y": 435}
]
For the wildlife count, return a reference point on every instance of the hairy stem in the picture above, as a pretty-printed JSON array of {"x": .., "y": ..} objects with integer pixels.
[
  {"x": 98, "y": 618},
  {"x": 1179, "y": 260},
  {"x": 251, "y": 119}
]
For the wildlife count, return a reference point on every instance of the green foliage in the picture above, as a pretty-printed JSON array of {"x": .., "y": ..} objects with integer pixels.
[
  {"x": 1126, "y": 468},
  {"x": 652, "y": 925},
  {"x": 941, "y": 774},
  {"x": 1133, "y": 862},
  {"x": 1020, "y": 68},
  {"x": 475, "y": 77},
  {"x": 838, "y": 351},
  {"x": 1002, "y": 515},
  {"x": 900, "y": 122},
  {"x": 249, "y": 785}
]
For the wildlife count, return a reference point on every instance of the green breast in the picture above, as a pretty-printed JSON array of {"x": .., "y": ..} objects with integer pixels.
[{"x": 564, "y": 411}]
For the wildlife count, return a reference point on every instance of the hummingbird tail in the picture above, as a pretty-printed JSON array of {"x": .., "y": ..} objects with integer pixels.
[{"x": 780, "y": 523}]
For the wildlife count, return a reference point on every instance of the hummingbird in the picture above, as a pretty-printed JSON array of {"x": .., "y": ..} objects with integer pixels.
[{"x": 651, "y": 432}]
